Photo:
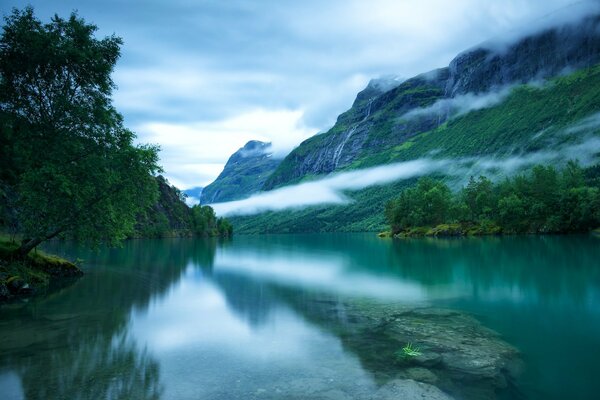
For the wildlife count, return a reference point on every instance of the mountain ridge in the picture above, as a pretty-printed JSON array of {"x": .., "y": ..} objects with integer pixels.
[{"x": 374, "y": 122}]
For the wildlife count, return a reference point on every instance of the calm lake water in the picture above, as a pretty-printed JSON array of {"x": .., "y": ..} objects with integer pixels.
[{"x": 252, "y": 318}]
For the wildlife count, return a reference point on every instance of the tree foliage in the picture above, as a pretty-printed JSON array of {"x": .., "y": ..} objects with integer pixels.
[
  {"x": 545, "y": 200},
  {"x": 73, "y": 164},
  {"x": 206, "y": 223}
]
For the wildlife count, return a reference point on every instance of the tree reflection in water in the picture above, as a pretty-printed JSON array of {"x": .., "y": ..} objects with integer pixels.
[{"x": 75, "y": 344}]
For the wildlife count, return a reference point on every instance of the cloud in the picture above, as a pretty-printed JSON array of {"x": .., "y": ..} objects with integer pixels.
[
  {"x": 192, "y": 201},
  {"x": 460, "y": 105},
  {"x": 570, "y": 14},
  {"x": 193, "y": 153},
  {"x": 331, "y": 190},
  {"x": 188, "y": 64},
  {"x": 586, "y": 125}
]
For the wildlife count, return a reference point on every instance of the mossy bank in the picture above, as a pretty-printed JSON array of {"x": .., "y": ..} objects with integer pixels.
[
  {"x": 37, "y": 273},
  {"x": 447, "y": 230}
]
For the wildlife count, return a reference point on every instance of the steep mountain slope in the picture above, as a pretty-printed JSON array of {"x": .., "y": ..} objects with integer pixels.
[
  {"x": 560, "y": 118},
  {"x": 244, "y": 174},
  {"x": 380, "y": 120},
  {"x": 169, "y": 216}
]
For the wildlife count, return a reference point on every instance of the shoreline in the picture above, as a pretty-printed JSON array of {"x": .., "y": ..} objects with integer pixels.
[
  {"x": 460, "y": 230},
  {"x": 37, "y": 274}
]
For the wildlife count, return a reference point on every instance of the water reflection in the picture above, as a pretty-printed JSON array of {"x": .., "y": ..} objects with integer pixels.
[
  {"x": 76, "y": 344},
  {"x": 264, "y": 316}
]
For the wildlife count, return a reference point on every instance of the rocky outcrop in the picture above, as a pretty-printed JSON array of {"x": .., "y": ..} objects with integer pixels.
[
  {"x": 244, "y": 174},
  {"x": 455, "y": 355},
  {"x": 169, "y": 216},
  {"x": 545, "y": 54},
  {"x": 377, "y": 120}
]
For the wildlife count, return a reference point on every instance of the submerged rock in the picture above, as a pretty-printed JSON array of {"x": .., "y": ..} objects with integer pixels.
[
  {"x": 421, "y": 375},
  {"x": 454, "y": 352},
  {"x": 409, "y": 389}
]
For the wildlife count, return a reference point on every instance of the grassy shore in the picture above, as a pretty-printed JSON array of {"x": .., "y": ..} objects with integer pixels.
[
  {"x": 448, "y": 230},
  {"x": 36, "y": 273}
]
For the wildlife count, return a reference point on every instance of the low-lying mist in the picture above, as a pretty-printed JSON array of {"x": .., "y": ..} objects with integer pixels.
[
  {"x": 332, "y": 189},
  {"x": 461, "y": 105}
]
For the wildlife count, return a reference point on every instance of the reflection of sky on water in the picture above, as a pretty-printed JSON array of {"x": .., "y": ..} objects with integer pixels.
[
  {"x": 193, "y": 328},
  {"x": 330, "y": 273},
  {"x": 11, "y": 387}
]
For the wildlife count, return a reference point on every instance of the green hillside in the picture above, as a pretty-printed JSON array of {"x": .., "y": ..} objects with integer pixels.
[{"x": 532, "y": 118}]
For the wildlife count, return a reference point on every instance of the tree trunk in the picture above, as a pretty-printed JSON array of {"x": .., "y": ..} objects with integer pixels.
[{"x": 29, "y": 244}]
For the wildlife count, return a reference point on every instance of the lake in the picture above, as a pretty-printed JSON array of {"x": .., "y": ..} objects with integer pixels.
[{"x": 313, "y": 316}]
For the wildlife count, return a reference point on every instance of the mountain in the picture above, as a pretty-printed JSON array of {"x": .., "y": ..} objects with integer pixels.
[
  {"x": 500, "y": 100},
  {"x": 381, "y": 119},
  {"x": 244, "y": 174}
]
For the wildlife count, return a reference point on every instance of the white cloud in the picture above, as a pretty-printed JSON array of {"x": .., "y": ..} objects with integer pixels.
[
  {"x": 193, "y": 153},
  {"x": 463, "y": 104},
  {"x": 189, "y": 65},
  {"x": 328, "y": 190}
]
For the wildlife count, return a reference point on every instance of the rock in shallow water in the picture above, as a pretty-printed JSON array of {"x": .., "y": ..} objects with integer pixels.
[
  {"x": 409, "y": 389},
  {"x": 421, "y": 375},
  {"x": 457, "y": 354}
]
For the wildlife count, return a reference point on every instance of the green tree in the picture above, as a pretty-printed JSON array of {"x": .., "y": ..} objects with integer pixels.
[
  {"x": 479, "y": 197},
  {"x": 75, "y": 168},
  {"x": 512, "y": 214},
  {"x": 427, "y": 203},
  {"x": 224, "y": 226}
]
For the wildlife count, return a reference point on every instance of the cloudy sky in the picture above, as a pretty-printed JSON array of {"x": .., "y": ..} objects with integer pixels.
[{"x": 201, "y": 78}]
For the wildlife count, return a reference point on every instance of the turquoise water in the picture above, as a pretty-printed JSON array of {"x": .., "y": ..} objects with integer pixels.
[{"x": 242, "y": 319}]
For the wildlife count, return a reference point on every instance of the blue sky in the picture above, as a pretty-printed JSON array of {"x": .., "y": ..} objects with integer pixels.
[{"x": 201, "y": 78}]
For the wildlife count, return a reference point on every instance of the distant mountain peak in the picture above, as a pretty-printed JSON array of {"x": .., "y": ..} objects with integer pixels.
[
  {"x": 254, "y": 148},
  {"x": 244, "y": 173}
]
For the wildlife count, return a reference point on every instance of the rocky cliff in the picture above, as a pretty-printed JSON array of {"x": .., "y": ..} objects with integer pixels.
[
  {"x": 387, "y": 116},
  {"x": 169, "y": 216}
]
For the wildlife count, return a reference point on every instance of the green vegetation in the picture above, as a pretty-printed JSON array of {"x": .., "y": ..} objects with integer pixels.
[
  {"x": 30, "y": 274},
  {"x": 532, "y": 118},
  {"x": 69, "y": 168},
  {"x": 74, "y": 169},
  {"x": 171, "y": 217},
  {"x": 206, "y": 223},
  {"x": 544, "y": 200},
  {"x": 409, "y": 351}
]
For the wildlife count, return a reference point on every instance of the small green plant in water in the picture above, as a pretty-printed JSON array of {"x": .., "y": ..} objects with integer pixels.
[{"x": 409, "y": 351}]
